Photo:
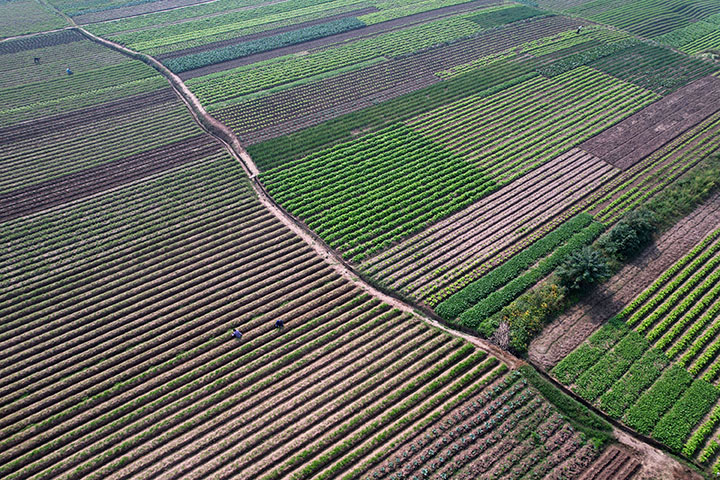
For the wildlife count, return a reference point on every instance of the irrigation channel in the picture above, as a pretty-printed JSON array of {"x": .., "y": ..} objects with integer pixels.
[{"x": 653, "y": 451}]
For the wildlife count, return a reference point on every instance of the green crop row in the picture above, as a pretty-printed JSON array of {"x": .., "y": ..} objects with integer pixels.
[
  {"x": 475, "y": 316},
  {"x": 671, "y": 279},
  {"x": 589, "y": 352},
  {"x": 484, "y": 286},
  {"x": 674, "y": 428},
  {"x": 699, "y": 436},
  {"x": 221, "y": 86},
  {"x": 597, "y": 379},
  {"x": 278, "y": 151},
  {"x": 503, "y": 16},
  {"x": 390, "y": 10},
  {"x": 218, "y": 55},
  {"x": 584, "y": 58},
  {"x": 656, "y": 68},
  {"x": 641, "y": 374},
  {"x": 652, "y": 405},
  {"x": 207, "y": 29},
  {"x": 359, "y": 213}
]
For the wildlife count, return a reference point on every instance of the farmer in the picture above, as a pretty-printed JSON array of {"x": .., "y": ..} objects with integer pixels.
[
  {"x": 279, "y": 323},
  {"x": 36, "y": 60},
  {"x": 236, "y": 333},
  {"x": 68, "y": 71},
  {"x": 579, "y": 29}
]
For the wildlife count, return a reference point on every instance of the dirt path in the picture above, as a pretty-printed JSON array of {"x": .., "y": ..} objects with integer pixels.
[{"x": 568, "y": 331}]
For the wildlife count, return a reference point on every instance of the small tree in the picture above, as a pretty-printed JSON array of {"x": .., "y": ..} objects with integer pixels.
[
  {"x": 629, "y": 235},
  {"x": 583, "y": 269}
]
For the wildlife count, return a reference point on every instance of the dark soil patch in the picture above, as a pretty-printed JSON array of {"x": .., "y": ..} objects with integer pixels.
[
  {"x": 54, "y": 192},
  {"x": 640, "y": 135}
]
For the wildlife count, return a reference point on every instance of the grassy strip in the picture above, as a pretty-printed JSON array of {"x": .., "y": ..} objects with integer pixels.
[
  {"x": 486, "y": 285},
  {"x": 580, "y": 417}
]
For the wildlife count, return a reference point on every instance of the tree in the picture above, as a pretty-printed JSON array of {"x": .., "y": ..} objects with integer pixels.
[
  {"x": 582, "y": 269},
  {"x": 629, "y": 235}
]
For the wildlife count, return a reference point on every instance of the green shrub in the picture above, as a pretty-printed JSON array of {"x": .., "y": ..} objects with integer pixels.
[
  {"x": 629, "y": 235},
  {"x": 583, "y": 269}
]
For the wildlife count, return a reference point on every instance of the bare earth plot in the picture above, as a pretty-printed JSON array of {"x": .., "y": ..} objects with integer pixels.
[{"x": 636, "y": 137}]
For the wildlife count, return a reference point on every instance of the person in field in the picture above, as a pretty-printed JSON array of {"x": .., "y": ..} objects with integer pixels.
[
  {"x": 279, "y": 323},
  {"x": 579, "y": 29},
  {"x": 236, "y": 333},
  {"x": 68, "y": 71},
  {"x": 36, "y": 60}
]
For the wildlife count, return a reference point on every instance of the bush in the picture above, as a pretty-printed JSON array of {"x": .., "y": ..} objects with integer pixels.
[
  {"x": 583, "y": 269},
  {"x": 527, "y": 315},
  {"x": 629, "y": 235}
]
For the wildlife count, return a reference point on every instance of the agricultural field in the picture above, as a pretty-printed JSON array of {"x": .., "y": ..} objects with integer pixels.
[
  {"x": 654, "y": 365},
  {"x": 359, "y": 239}
]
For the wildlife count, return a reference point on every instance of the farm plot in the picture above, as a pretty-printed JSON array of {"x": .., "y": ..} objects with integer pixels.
[
  {"x": 446, "y": 257},
  {"x": 227, "y": 85},
  {"x": 569, "y": 330},
  {"x": 583, "y": 101},
  {"x": 638, "y": 136},
  {"x": 18, "y": 17},
  {"x": 655, "y": 365},
  {"x": 361, "y": 202},
  {"x": 697, "y": 37},
  {"x": 52, "y": 154},
  {"x": 308, "y": 105},
  {"x": 647, "y": 18},
  {"x": 78, "y": 55},
  {"x": 117, "y": 321},
  {"x": 98, "y": 78},
  {"x": 655, "y": 68}
]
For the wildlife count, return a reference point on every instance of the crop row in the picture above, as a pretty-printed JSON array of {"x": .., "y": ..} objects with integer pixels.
[
  {"x": 345, "y": 193},
  {"x": 222, "y": 86},
  {"x": 515, "y": 201},
  {"x": 494, "y": 78},
  {"x": 655, "y": 68},
  {"x": 465, "y": 246},
  {"x": 476, "y": 291},
  {"x": 477, "y": 316},
  {"x": 586, "y": 101},
  {"x": 223, "y": 54},
  {"x": 141, "y": 131},
  {"x": 659, "y": 170},
  {"x": 156, "y": 33}
]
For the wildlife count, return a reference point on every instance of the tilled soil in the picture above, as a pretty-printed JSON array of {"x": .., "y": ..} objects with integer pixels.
[
  {"x": 638, "y": 136},
  {"x": 96, "y": 179},
  {"x": 568, "y": 331}
]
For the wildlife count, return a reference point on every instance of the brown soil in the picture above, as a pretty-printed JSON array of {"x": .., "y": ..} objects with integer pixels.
[
  {"x": 96, "y": 179},
  {"x": 641, "y": 134},
  {"x": 568, "y": 331}
]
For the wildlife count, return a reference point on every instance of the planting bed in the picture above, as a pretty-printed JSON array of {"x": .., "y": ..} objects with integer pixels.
[
  {"x": 655, "y": 364},
  {"x": 256, "y": 120},
  {"x": 638, "y": 136}
]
